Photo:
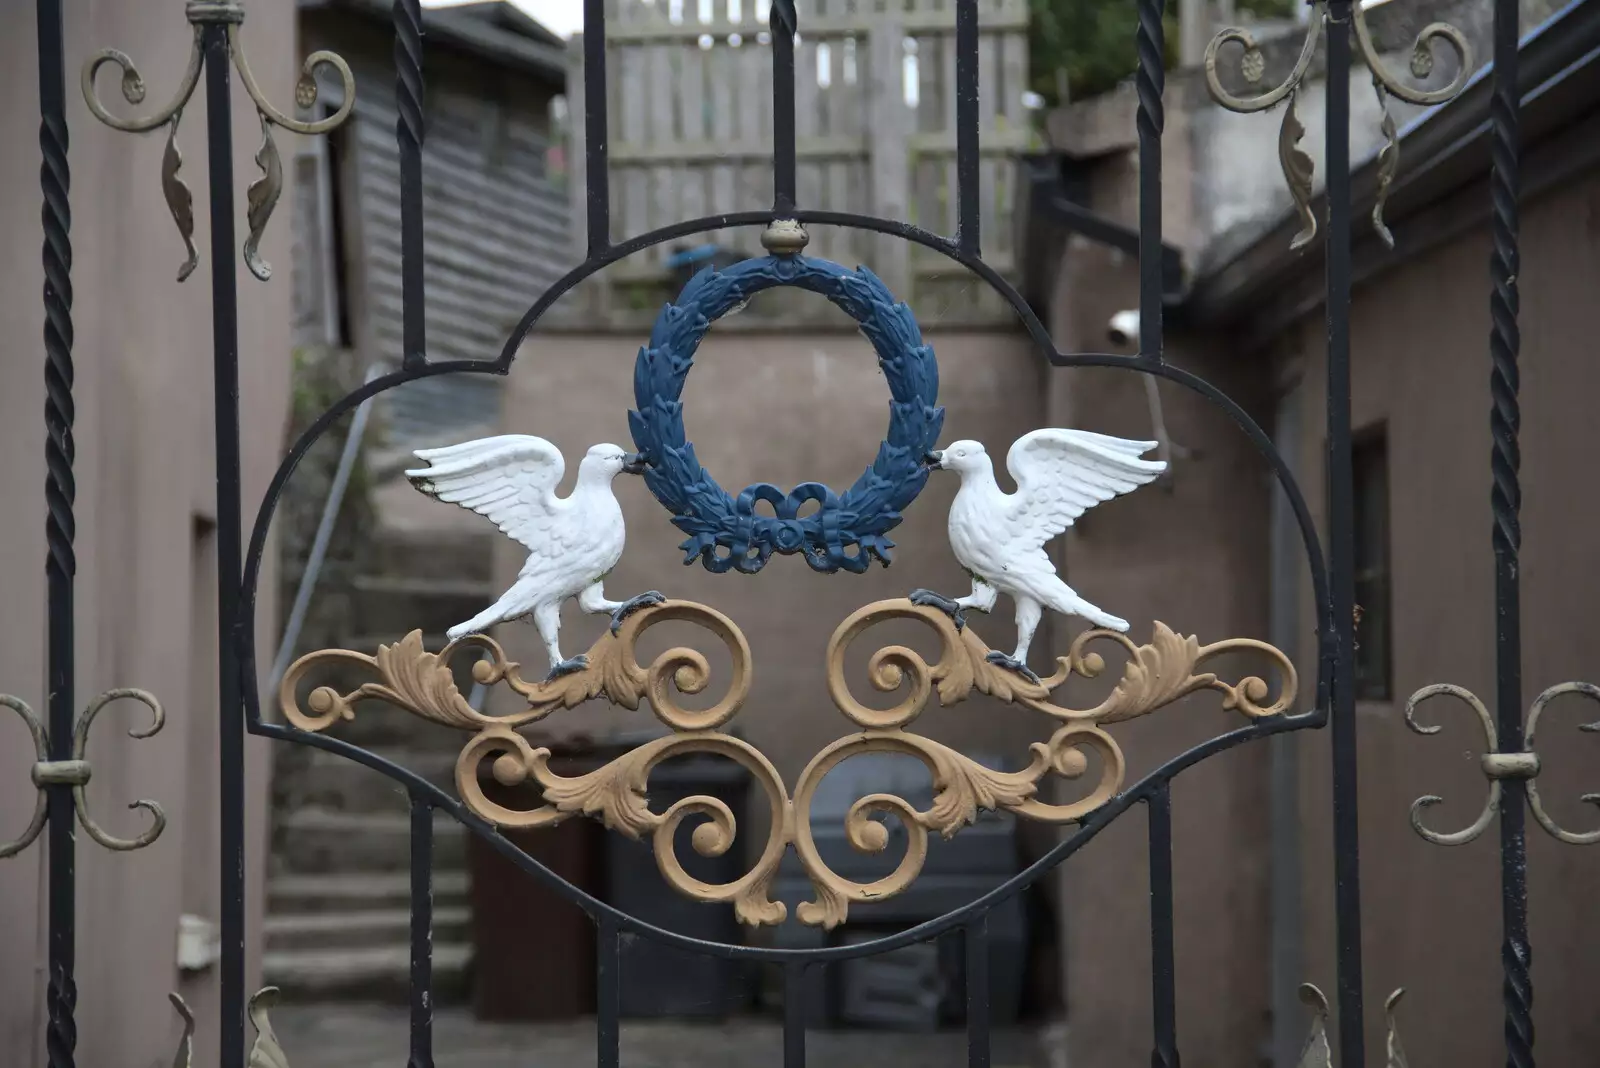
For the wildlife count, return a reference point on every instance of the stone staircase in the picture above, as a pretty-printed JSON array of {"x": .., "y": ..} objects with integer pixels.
[{"x": 338, "y": 890}]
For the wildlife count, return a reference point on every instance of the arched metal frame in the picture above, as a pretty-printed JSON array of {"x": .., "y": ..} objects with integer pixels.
[
  {"x": 218, "y": 50},
  {"x": 1153, "y": 790}
]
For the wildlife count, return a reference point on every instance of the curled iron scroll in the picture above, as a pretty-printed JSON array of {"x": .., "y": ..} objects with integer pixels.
[
  {"x": 1296, "y": 165},
  {"x": 1585, "y": 689},
  {"x": 76, "y": 772},
  {"x": 264, "y": 192},
  {"x": 42, "y": 753},
  {"x": 1491, "y": 743},
  {"x": 1523, "y": 764}
]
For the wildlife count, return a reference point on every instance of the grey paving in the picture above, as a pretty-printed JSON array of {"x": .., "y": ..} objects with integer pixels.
[{"x": 376, "y": 1036}]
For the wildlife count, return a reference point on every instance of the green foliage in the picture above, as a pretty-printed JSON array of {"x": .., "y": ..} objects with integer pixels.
[{"x": 1090, "y": 44}]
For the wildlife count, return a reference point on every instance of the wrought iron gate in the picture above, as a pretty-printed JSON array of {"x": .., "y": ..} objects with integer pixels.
[{"x": 846, "y": 533}]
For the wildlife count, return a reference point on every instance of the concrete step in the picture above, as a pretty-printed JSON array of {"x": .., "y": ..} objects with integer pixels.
[
  {"x": 317, "y": 841},
  {"x": 374, "y": 973},
  {"x": 348, "y": 891},
  {"x": 454, "y": 555},
  {"x": 360, "y": 929},
  {"x": 337, "y": 783}
]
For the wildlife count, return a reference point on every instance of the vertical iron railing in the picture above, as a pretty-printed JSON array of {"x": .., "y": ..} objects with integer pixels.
[
  {"x": 1163, "y": 955},
  {"x": 421, "y": 971},
  {"x": 1150, "y": 84},
  {"x": 237, "y": 576},
  {"x": 1505, "y": 502},
  {"x": 409, "y": 133},
  {"x": 1341, "y": 546},
  {"x": 230, "y": 519},
  {"x": 61, "y": 1037},
  {"x": 977, "y": 991}
]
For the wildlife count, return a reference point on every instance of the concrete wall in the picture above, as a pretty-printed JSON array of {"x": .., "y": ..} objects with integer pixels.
[
  {"x": 785, "y": 409},
  {"x": 1189, "y": 553},
  {"x": 146, "y": 582},
  {"x": 1431, "y": 914},
  {"x": 1419, "y": 343}
]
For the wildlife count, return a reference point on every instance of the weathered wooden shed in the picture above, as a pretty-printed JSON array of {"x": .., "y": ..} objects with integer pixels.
[
  {"x": 495, "y": 237},
  {"x": 495, "y": 214}
]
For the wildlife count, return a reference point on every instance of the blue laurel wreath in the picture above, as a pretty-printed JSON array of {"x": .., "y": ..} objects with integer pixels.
[{"x": 725, "y": 531}]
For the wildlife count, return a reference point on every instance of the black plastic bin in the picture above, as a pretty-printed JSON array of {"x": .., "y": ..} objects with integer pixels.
[{"x": 658, "y": 980}]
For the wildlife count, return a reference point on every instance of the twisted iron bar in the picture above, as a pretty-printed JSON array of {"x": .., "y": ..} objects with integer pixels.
[
  {"x": 265, "y": 191},
  {"x": 1151, "y": 79},
  {"x": 409, "y": 134},
  {"x": 782, "y": 15},
  {"x": 60, "y": 487},
  {"x": 61, "y": 1004},
  {"x": 1505, "y": 417},
  {"x": 55, "y": 181},
  {"x": 1505, "y": 339},
  {"x": 1511, "y": 765}
]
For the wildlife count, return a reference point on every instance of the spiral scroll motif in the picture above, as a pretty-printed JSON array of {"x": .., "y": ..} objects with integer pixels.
[
  {"x": 76, "y": 772},
  {"x": 423, "y": 683},
  {"x": 1523, "y": 765},
  {"x": 1155, "y": 675},
  {"x": 264, "y": 191}
]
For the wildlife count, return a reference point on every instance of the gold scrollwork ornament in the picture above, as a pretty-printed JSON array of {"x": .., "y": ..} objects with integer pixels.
[
  {"x": 264, "y": 192},
  {"x": 1155, "y": 675},
  {"x": 423, "y": 683}
]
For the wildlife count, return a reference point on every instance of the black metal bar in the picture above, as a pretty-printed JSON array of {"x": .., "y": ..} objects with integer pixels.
[
  {"x": 409, "y": 133},
  {"x": 977, "y": 982},
  {"x": 968, "y": 221},
  {"x": 55, "y": 179},
  {"x": 597, "y": 167},
  {"x": 794, "y": 1007},
  {"x": 1341, "y": 537},
  {"x": 1150, "y": 84},
  {"x": 421, "y": 933},
  {"x": 1163, "y": 968},
  {"x": 785, "y": 24},
  {"x": 1505, "y": 417},
  {"x": 225, "y": 364},
  {"x": 608, "y": 994}
]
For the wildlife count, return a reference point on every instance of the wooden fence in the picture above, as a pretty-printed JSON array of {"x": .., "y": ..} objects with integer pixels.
[{"x": 690, "y": 121}]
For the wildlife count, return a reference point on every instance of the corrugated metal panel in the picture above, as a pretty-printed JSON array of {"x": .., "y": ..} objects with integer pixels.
[{"x": 495, "y": 237}]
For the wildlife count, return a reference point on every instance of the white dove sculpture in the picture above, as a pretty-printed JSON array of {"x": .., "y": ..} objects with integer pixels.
[
  {"x": 999, "y": 537},
  {"x": 573, "y": 541}
]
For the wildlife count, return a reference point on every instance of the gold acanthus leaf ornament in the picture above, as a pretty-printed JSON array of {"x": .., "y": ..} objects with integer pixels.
[
  {"x": 423, "y": 683},
  {"x": 1156, "y": 674}
]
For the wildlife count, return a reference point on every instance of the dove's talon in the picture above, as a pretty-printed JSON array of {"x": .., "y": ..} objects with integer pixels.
[
  {"x": 568, "y": 667},
  {"x": 632, "y": 605},
  {"x": 1011, "y": 663},
  {"x": 929, "y": 599}
]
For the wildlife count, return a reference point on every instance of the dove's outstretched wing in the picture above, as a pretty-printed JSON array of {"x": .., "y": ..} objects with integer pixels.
[
  {"x": 511, "y": 479},
  {"x": 1061, "y": 474}
]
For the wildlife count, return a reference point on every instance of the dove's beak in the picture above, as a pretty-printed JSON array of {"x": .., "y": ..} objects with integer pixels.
[
  {"x": 634, "y": 463},
  {"x": 933, "y": 459}
]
